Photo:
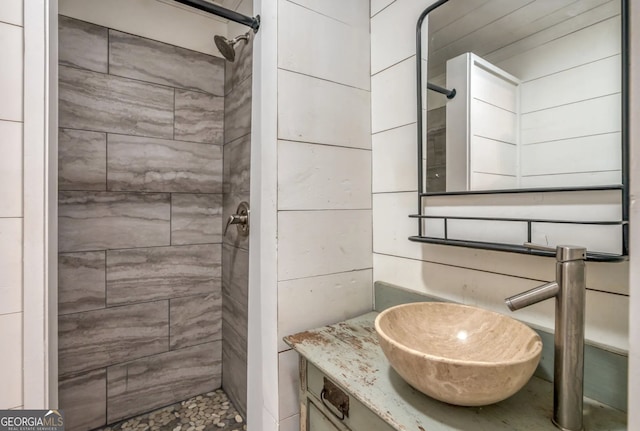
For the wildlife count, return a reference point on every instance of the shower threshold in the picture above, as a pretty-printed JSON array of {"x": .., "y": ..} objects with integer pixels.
[{"x": 212, "y": 411}]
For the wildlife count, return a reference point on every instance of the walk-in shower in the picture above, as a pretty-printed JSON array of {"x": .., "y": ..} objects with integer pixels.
[{"x": 153, "y": 156}]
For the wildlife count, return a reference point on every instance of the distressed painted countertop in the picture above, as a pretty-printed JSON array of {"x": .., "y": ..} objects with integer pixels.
[{"x": 348, "y": 352}]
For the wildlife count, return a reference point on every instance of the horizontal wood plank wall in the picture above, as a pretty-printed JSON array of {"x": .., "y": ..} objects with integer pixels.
[
  {"x": 324, "y": 175},
  {"x": 571, "y": 107}
]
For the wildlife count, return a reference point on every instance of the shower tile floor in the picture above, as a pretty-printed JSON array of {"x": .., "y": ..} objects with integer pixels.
[{"x": 206, "y": 412}]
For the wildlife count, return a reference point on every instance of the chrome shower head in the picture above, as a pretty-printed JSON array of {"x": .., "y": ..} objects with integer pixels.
[{"x": 225, "y": 46}]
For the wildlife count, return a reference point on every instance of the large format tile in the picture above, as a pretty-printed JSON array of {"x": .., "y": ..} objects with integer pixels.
[
  {"x": 82, "y": 44},
  {"x": 100, "y": 338},
  {"x": 11, "y": 360},
  {"x": 145, "y": 274},
  {"x": 323, "y": 242},
  {"x": 81, "y": 281},
  {"x": 148, "y": 60},
  {"x": 101, "y": 220},
  {"x": 234, "y": 371},
  {"x": 237, "y": 165},
  {"x": 235, "y": 317},
  {"x": 11, "y": 169},
  {"x": 149, "y": 383},
  {"x": 195, "y": 320},
  {"x": 314, "y": 177},
  {"x": 105, "y": 103},
  {"x": 10, "y": 265},
  {"x": 160, "y": 165},
  {"x": 196, "y": 218},
  {"x": 313, "y": 110},
  {"x": 235, "y": 273},
  {"x": 239, "y": 70},
  {"x": 199, "y": 117},
  {"x": 237, "y": 111},
  {"x": 84, "y": 400},
  {"x": 11, "y": 72},
  {"x": 82, "y": 160}
]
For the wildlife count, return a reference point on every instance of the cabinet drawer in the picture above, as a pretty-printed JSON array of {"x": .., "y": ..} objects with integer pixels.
[
  {"x": 318, "y": 421},
  {"x": 358, "y": 417}
]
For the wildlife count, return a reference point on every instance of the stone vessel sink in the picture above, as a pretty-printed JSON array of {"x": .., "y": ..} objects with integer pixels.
[{"x": 458, "y": 354}]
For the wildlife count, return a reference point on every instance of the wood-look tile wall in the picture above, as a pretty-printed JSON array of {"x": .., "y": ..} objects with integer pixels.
[
  {"x": 235, "y": 249},
  {"x": 140, "y": 222}
]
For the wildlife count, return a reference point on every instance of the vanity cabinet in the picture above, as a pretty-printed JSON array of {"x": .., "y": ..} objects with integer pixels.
[
  {"x": 346, "y": 384},
  {"x": 325, "y": 406}
]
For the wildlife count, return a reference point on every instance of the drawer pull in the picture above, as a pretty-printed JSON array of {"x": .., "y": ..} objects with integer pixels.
[{"x": 333, "y": 395}]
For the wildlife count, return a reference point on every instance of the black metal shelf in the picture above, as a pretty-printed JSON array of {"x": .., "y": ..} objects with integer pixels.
[
  {"x": 522, "y": 220},
  {"x": 591, "y": 256},
  {"x": 536, "y": 190}
]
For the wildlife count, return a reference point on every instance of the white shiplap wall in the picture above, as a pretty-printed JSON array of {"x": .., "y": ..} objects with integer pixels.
[
  {"x": 478, "y": 277},
  {"x": 570, "y": 106},
  {"x": 11, "y": 213},
  {"x": 323, "y": 175}
]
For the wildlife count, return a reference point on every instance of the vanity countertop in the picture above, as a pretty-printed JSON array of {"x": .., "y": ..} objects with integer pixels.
[{"x": 348, "y": 352}]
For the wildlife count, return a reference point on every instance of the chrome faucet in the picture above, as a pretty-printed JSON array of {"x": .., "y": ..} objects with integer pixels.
[{"x": 569, "y": 289}]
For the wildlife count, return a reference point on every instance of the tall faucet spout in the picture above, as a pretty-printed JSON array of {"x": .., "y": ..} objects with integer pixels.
[
  {"x": 569, "y": 289},
  {"x": 533, "y": 296}
]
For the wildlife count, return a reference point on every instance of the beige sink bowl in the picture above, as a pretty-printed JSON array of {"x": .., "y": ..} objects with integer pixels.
[{"x": 458, "y": 354}]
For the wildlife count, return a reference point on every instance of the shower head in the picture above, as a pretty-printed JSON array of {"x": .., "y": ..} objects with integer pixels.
[{"x": 225, "y": 46}]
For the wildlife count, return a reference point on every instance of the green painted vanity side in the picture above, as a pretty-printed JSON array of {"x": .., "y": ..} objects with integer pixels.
[
  {"x": 605, "y": 372},
  {"x": 349, "y": 354}
]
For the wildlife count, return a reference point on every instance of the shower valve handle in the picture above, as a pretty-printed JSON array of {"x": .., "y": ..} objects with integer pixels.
[{"x": 240, "y": 218}]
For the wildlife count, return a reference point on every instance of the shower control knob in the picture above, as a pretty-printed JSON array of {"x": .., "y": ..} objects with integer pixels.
[{"x": 240, "y": 219}]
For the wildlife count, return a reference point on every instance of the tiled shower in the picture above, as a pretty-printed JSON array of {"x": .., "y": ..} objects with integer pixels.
[{"x": 152, "y": 298}]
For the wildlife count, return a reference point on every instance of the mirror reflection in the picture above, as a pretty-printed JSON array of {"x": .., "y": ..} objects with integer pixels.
[{"x": 537, "y": 94}]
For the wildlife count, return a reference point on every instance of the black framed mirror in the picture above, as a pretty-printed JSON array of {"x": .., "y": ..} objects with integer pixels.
[{"x": 522, "y": 124}]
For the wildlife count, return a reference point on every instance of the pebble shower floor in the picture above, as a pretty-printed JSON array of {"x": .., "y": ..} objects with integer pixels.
[{"x": 206, "y": 412}]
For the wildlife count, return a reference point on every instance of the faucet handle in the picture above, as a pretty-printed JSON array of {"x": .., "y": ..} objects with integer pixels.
[{"x": 564, "y": 253}]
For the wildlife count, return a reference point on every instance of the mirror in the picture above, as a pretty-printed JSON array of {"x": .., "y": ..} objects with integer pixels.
[{"x": 538, "y": 95}]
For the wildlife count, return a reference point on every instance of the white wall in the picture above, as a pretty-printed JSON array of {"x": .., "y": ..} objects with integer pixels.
[
  {"x": 11, "y": 214},
  {"x": 470, "y": 276},
  {"x": 570, "y": 99},
  {"x": 324, "y": 174},
  {"x": 310, "y": 261}
]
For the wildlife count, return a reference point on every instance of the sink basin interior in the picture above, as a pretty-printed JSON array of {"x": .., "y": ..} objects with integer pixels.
[
  {"x": 458, "y": 332},
  {"x": 456, "y": 353}
]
